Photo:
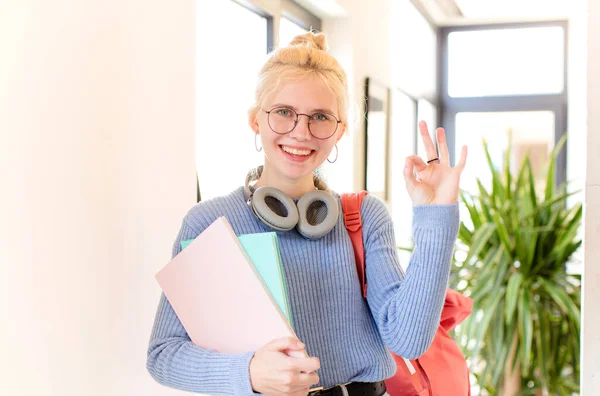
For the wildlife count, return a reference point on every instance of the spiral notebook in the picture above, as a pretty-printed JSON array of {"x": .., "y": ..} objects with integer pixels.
[{"x": 220, "y": 297}]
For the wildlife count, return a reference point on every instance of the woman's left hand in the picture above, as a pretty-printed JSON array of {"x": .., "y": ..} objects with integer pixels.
[{"x": 436, "y": 183}]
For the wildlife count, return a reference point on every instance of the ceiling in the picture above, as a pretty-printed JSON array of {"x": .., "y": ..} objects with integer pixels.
[
  {"x": 324, "y": 8},
  {"x": 457, "y": 12},
  {"x": 518, "y": 9},
  {"x": 452, "y": 12}
]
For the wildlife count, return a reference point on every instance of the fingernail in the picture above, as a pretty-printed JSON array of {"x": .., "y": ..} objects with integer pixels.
[{"x": 301, "y": 345}]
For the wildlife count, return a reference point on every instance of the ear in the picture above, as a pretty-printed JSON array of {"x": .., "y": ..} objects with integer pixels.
[
  {"x": 341, "y": 132},
  {"x": 253, "y": 122}
]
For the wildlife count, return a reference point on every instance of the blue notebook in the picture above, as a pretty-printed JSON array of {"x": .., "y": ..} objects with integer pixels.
[{"x": 263, "y": 250}]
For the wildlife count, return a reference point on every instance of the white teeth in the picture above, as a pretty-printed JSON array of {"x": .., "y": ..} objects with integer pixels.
[{"x": 295, "y": 152}]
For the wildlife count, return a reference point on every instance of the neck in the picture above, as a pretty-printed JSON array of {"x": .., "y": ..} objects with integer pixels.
[{"x": 292, "y": 188}]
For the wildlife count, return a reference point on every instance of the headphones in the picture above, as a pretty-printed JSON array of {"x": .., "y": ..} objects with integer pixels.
[{"x": 278, "y": 211}]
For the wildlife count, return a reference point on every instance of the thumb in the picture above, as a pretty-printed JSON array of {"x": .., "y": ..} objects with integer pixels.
[
  {"x": 287, "y": 343},
  {"x": 409, "y": 175}
]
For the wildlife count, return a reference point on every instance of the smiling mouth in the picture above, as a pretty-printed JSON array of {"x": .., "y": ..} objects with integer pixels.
[{"x": 296, "y": 152}]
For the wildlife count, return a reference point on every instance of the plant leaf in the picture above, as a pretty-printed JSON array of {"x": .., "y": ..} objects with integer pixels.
[
  {"x": 551, "y": 175},
  {"x": 480, "y": 238},
  {"x": 562, "y": 299},
  {"x": 497, "y": 188},
  {"x": 482, "y": 325},
  {"x": 542, "y": 340},
  {"x": 512, "y": 295},
  {"x": 525, "y": 330},
  {"x": 503, "y": 234}
]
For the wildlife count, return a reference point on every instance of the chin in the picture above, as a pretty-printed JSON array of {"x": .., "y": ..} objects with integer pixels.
[
  {"x": 296, "y": 171},
  {"x": 296, "y": 174}
]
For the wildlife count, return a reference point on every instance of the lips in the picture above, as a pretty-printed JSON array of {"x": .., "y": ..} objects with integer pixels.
[
  {"x": 296, "y": 154},
  {"x": 296, "y": 151}
]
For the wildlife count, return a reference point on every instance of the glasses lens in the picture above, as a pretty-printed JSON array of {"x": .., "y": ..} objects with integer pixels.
[
  {"x": 323, "y": 125},
  {"x": 282, "y": 120}
]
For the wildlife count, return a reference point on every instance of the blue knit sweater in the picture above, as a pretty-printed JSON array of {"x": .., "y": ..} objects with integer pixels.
[{"x": 346, "y": 332}]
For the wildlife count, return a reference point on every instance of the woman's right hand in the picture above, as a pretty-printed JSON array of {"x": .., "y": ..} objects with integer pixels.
[{"x": 273, "y": 372}]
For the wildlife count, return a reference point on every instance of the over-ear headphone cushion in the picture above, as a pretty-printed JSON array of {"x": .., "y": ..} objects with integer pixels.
[
  {"x": 320, "y": 229},
  {"x": 267, "y": 215}
]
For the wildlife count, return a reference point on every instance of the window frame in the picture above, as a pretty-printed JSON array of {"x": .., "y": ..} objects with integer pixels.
[{"x": 449, "y": 106}]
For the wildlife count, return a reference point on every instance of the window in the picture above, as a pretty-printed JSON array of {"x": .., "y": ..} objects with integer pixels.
[
  {"x": 499, "y": 62},
  {"x": 288, "y": 30},
  {"x": 500, "y": 81},
  {"x": 528, "y": 130},
  {"x": 500, "y": 77},
  {"x": 225, "y": 87},
  {"x": 227, "y": 68}
]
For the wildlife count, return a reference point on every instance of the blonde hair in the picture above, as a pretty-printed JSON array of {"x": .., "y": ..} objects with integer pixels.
[{"x": 306, "y": 55}]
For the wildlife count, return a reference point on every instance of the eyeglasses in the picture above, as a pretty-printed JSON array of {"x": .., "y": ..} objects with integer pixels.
[{"x": 320, "y": 125}]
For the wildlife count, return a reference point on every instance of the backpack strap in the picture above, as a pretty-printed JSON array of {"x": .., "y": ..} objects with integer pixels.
[{"x": 351, "y": 203}]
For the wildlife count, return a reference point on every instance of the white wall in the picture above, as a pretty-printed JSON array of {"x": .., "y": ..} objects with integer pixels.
[
  {"x": 97, "y": 166},
  {"x": 590, "y": 365},
  {"x": 390, "y": 42}
]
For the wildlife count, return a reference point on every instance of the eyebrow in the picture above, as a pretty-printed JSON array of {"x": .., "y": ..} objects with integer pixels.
[{"x": 276, "y": 105}]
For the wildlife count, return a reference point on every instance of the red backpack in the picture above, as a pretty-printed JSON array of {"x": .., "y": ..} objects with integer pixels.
[{"x": 442, "y": 369}]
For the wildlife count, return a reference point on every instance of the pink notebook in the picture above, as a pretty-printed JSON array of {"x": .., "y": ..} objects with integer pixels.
[{"x": 220, "y": 297}]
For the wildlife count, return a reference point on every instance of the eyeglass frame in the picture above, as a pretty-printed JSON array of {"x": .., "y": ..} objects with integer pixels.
[{"x": 338, "y": 122}]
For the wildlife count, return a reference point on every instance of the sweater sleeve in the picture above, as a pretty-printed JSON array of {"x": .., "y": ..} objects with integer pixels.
[
  {"x": 407, "y": 307},
  {"x": 175, "y": 361}
]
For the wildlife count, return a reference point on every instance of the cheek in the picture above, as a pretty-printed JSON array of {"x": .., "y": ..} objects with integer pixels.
[{"x": 328, "y": 147}]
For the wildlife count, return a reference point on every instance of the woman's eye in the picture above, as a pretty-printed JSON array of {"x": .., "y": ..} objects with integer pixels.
[
  {"x": 284, "y": 112},
  {"x": 320, "y": 117}
]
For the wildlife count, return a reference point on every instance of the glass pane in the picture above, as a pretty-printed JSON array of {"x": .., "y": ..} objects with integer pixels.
[
  {"x": 506, "y": 62},
  {"x": 223, "y": 133},
  {"x": 377, "y": 140},
  {"x": 288, "y": 30},
  {"x": 530, "y": 130}
]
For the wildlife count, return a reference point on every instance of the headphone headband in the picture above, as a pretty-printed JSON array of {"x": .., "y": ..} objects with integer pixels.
[{"x": 255, "y": 173}]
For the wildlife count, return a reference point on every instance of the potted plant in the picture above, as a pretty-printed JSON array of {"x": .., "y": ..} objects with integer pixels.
[{"x": 523, "y": 335}]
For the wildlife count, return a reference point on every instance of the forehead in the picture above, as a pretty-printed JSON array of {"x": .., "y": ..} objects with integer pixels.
[{"x": 306, "y": 94}]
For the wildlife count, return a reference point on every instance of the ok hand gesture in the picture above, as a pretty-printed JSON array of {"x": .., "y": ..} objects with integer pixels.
[{"x": 434, "y": 182}]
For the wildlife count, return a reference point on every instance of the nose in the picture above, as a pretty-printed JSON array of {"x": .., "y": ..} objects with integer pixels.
[{"x": 301, "y": 131}]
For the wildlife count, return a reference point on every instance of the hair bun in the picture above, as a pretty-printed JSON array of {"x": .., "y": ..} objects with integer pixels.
[{"x": 312, "y": 40}]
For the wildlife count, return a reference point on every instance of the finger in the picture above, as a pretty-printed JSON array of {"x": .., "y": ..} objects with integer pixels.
[
  {"x": 306, "y": 380},
  {"x": 294, "y": 382},
  {"x": 427, "y": 142},
  {"x": 417, "y": 162},
  {"x": 286, "y": 343},
  {"x": 302, "y": 392},
  {"x": 409, "y": 175},
  {"x": 443, "y": 146},
  {"x": 305, "y": 365},
  {"x": 463, "y": 159}
]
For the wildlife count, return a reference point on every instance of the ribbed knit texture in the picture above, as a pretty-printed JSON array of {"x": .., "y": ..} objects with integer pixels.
[{"x": 348, "y": 333}]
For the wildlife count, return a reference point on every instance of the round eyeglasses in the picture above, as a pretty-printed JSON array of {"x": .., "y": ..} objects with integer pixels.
[{"x": 283, "y": 120}]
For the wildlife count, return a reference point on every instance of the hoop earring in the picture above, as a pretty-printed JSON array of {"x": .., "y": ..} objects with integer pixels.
[
  {"x": 336, "y": 155},
  {"x": 256, "y": 143}
]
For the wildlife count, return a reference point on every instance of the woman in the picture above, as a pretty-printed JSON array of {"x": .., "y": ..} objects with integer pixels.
[{"x": 300, "y": 113}]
